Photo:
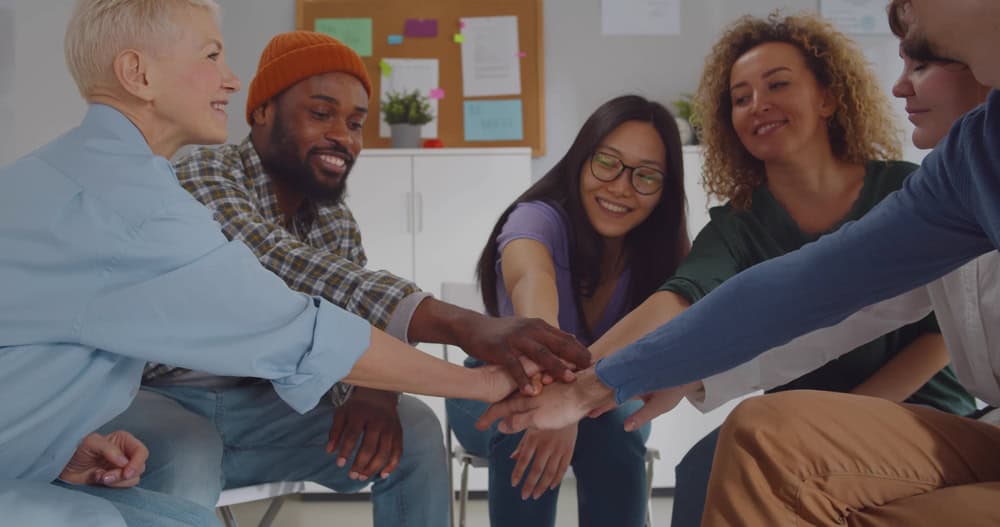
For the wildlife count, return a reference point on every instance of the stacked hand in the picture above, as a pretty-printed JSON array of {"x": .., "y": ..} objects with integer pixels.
[
  {"x": 549, "y": 453},
  {"x": 115, "y": 460},
  {"x": 370, "y": 414},
  {"x": 500, "y": 384},
  {"x": 559, "y": 406},
  {"x": 523, "y": 346},
  {"x": 562, "y": 405}
]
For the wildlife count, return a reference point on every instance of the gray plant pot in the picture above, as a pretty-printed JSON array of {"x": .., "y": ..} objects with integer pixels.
[{"x": 405, "y": 135}]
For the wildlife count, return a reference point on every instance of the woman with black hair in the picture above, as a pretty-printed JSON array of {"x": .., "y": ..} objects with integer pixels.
[{"x": 579, "y": 249}]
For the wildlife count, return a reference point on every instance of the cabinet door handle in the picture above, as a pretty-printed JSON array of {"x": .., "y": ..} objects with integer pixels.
[
  {"x": 408, "y": 198},
  {"x": 420, "y": 212}
]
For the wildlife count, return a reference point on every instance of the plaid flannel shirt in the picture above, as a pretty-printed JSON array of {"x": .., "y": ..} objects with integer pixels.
[{"x": 318, "y": 252}]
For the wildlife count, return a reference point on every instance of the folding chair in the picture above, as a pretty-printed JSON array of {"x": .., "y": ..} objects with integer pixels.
[{"x": 275, "y": 492}]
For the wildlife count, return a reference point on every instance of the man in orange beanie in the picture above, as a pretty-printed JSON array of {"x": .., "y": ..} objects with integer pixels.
[{"x": 280, "y": 191}]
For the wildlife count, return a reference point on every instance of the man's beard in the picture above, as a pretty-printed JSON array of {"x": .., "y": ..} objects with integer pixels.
[{"x": 287, "y": 166}]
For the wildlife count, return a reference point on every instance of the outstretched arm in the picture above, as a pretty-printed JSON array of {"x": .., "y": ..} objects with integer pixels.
[
  {"x": 916, "y": 235},
  {"x": 808, "y": 352},
  {"x": 661, "y": 307}
]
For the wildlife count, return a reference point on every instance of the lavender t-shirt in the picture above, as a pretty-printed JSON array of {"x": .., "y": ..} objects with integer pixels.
[{"x": 544, "y": 223}]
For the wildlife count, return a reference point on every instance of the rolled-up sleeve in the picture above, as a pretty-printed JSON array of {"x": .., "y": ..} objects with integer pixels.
[
  {"x": 783, "y": 364},
  {"x": 339, "y": 278}
]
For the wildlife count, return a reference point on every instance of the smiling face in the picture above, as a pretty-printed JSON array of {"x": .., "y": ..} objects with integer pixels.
[
  {"x": 614, "y": 208},
  {"x": 314, "y": 134},
  {"x": 193, "y": 82},
  {"x": 778, "y": 107},
  {"x": 937, "y": 94}
]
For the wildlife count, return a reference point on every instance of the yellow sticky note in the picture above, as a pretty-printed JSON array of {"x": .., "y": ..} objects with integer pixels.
[
  {"x": 458, "y": 38},
  {"x": 386, "y": 68}
]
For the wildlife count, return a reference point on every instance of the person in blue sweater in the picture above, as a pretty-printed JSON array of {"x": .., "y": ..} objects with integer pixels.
[{"x": 832, "y": 459}]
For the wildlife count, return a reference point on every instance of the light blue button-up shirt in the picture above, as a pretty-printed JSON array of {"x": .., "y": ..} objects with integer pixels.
[{"x": 106, "y": 263}]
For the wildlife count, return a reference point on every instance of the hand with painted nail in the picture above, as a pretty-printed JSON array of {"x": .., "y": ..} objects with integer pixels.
[
  {"x": 115, "y": 460},
  {"x": 543, "y": 456},
  {"x": 559, "y": 405},
  {"x": 369, "y": 416}
]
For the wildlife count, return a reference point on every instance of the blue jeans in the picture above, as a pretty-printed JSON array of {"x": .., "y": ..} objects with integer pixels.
[
  {"x": 202, "y": 440},
  {"x": 691, "y": 487},
  {"x": 39, "y": 504},
  {"x": 609, "y": 464}
]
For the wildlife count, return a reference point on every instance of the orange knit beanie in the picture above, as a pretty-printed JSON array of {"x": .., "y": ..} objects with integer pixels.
[{"x": 297, "y": 55}]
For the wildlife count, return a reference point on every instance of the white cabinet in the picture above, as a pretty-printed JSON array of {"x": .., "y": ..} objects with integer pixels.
[
  {"x": 425, "y": 215},
  {"x": 380, "y": 195},
  {"x": 697, "y": 200}
]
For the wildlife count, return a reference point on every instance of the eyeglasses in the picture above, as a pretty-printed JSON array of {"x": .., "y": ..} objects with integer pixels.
[{"x": 607, "y": 168}]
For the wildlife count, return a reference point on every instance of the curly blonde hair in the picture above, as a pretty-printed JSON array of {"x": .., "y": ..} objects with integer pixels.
[{"x": 862, "y": 128}]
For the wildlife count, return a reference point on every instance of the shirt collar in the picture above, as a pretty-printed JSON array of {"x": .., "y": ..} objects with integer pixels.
[{"x": 113, "y": 121}]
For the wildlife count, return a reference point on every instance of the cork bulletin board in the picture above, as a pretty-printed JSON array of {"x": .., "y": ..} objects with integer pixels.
[{"x": 402, "y": 29}]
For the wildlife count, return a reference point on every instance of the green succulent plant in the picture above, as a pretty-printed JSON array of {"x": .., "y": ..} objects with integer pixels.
[
  {"x": 406, "y": 108},
  {"x": 685, "y": 108}
]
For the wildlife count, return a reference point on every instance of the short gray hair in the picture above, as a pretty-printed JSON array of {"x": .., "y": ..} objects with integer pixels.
[{"x": 101, "y": 29}]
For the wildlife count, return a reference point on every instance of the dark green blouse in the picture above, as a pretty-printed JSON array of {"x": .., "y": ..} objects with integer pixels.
[{"x": 735, "y": 240}]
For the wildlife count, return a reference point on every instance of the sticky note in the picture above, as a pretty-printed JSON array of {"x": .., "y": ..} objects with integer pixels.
[
  {"x": 494, "y": 120},
  {"x": 420, "y": 28},
  {"x": 356, "y": 33},
  {"x": 385, "y": 67},
  {"x": 521, "y": 54},
  {"x": 395, "y": 40},
  {"x": 461, "y": 24},
  {"x": 458, "y": 38},
  {"x": 437, "y": 93}
]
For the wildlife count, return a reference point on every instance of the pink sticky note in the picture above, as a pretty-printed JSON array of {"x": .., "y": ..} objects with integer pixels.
[
  {"x": 437, "y": 93},
  {"x": 418, "y": 27},
  {"x": 521, "y": 54},
  {"x": 461, "y": 24}
]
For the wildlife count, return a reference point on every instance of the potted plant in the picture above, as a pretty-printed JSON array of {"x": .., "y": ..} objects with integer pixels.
[
  {"x": 406, "y": 113},
  {"x": 687, "y": 119}
]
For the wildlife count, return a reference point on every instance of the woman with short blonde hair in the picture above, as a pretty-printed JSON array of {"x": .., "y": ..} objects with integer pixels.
[{"x": 99, "y": 30}]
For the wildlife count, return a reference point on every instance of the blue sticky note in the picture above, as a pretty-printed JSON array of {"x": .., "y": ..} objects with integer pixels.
[
  {"x": 496, "y": 120},
  {"x": 355, "y": 32},
  {"x": 395, "y": 40}
]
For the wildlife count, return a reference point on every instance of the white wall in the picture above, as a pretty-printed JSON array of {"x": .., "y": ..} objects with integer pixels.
[
  {"x": 582, "y": 67},
  {"x": 6, "y": 80}
]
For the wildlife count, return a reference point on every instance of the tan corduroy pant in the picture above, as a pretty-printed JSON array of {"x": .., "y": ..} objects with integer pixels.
[{"x": 806, "y": 458}]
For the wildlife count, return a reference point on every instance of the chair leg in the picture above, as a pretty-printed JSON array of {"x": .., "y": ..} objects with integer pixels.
[
  {"x": 649, "y": 493},
  {"x": 272, "y": 511},
  {"x": 463, "y": 493},
  {"x": 451, "y": 464},
  {"x": 227, "y": 517}
]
